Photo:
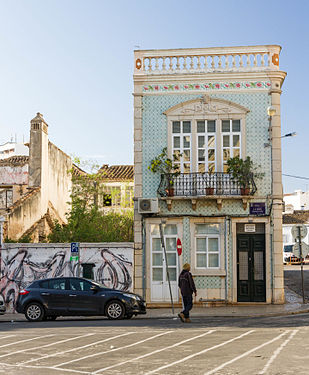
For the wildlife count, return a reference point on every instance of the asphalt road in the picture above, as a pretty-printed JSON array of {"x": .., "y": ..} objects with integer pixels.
[
  {"x": 292, "y": 279},
  {"x": 229, "y": 346}
]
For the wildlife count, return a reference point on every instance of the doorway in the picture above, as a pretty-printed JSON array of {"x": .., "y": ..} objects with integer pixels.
[{"x": 251, "y": 278}]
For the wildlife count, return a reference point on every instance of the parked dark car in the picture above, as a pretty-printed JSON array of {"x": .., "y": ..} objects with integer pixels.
[
  {"x": 67, "y": 296},
  {"x": 2, "y": 308}
]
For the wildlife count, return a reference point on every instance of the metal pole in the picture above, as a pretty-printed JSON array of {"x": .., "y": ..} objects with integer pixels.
[
  {"x": 166, "y": 264},
  {"x": 301, "y": 265}
]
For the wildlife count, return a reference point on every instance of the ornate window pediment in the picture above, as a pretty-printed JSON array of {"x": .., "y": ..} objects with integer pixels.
[{"x": 207, "y": 106}]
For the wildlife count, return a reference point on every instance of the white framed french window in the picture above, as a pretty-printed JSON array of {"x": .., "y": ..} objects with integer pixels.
[
  {"x": 207, "y": 245},
  {"x": 230, "y": 140},
  {"x": 182, "y": 144}
]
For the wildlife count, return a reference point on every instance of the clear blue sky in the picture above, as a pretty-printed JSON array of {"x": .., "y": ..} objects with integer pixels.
[{"x": 72, "y": 60}]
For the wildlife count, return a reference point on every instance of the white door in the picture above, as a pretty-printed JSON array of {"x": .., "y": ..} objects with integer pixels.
[{"x": 159, "y": 280}]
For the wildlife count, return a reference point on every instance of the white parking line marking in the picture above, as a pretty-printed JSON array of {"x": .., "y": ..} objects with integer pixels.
[
  {"x": 45, "y": 367},
  {"x": 198, "y": 353},
  {"x": 277, "y": 351},
  {"x": 77, "y": 348},
  {"x": 245, "y": 354},
  {"x": 5, "y": 337},
  {"x": 54, "y": 343},
  {"x": 24, "y": 350},
  {"x": 19, "y": 342},
  {"x": 154, "y": 352},
  {"x": 113, "y": 350}
]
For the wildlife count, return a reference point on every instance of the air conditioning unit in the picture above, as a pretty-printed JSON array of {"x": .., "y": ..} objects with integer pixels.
[{"x": 148, "y": 205}]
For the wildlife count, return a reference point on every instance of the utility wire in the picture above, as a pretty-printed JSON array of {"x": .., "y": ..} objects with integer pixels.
[{"x": 301, "y": 178}]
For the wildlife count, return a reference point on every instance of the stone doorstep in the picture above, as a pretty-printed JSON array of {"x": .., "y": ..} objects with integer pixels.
[{"x": 209, "y": 303}]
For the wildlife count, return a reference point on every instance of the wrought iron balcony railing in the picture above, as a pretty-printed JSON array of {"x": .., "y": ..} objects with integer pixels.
[{"x": 203, "y": 184}]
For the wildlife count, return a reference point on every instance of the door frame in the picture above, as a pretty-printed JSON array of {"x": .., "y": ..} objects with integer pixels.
[
  {"x": 266, "y": 221},
  {"x": 148, "y": 223}
]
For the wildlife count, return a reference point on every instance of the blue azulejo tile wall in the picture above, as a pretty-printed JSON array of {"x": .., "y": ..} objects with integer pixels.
[{"x": 155, "y": 139}]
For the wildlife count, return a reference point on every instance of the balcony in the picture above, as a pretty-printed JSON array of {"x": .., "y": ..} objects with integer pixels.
[{"x": 216, "y": 185}]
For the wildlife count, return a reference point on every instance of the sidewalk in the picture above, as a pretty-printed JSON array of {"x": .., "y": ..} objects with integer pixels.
[{"x": 292, "y": 306}]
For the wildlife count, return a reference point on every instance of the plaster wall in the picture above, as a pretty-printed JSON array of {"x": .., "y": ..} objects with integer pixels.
[{"x": 14, "y": 175}]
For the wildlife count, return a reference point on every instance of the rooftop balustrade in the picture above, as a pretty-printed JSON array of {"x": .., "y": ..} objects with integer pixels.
[{"x": 207, "y": 60}]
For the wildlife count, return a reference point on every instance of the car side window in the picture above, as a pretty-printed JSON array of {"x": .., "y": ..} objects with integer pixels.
[
  {"x": 44, "y": 284},
  {"x": 82, "y": 285},
  {"x": 57, "y": 284}
]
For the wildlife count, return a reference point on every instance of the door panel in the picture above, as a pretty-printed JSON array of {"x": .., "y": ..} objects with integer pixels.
[
  {"x": 83, "y": 300},
  {"x": 55, "y": 297},
  {"x": 251, "y": 285}
]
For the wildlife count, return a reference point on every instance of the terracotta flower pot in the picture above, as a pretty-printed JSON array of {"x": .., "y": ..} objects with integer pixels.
[
  {"x": 244, "y": 191},
  {"x": 210, "y": 191},
  {"x": 170, "y": 192}
]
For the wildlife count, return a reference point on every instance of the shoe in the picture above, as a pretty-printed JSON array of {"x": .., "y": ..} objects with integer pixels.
[
  {"x": 187, "y": 320},
  {"x": 181, "y": 317}
]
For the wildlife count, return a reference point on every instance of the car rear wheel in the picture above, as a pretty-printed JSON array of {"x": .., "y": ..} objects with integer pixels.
[
  {"x": 34, "y": 312},
  {"x": 115, "y": 310}
]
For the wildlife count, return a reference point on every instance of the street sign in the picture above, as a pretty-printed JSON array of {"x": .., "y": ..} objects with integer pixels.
[
  {"x": 304, "y": 249},
  {"x": 257, "y": 208},
  {"x": 74, "y": 247},
  {"x": 250, "y": 228},
  {"x": 179, "y": 247},
  {"x": 295, "y": 232}
]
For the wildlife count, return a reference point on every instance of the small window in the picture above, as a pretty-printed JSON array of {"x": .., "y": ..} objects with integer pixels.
[
  {"x": 225, "y": 126},
  {"x": 211, "y": 126},
  {"x": 176, "y": 126},
  {"x": 57, "y": 284}
]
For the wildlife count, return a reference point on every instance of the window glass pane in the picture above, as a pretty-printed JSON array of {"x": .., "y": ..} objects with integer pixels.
[
  {"x": 157, "y": 274},
  {"x": 211, "y": 126},
  {"x": 44, "y": 284},
  {"x": 75, "y": 284},
  {"x": 236, "y": 125},
  {"x": 201, "y": 126},
  {"x": 201, "y": 141},
  {"x": 176, "y": 142},
  {"x": 236, "y": 152},
  {"x": 186, "y": 155},
  {"x": 85, "y": 285},
  {"x": 186, "y": 142},
  {"x": 225, "y": 125},
  {"x": 157, "y": 259},
  {"x": 211, "y": 141},
  {"x": 225, "y": 168},
  {"x": 154, "y": 229},
  {"x": 201, "y": 260},
  {"x": 170, "y": 229},
  {"x": 170, "y": 244},
  {"x": 57, "y": 284},
  {"x": 201, "y": 244},
  {"x": 201, "y": 168},
  {"x": 201, "y": 155},
  {"x": 213, "y": 244},
  {"x": 177, "y": 154},
  {"x": 213, "y": 260},
  {"x": 211, "y": 167},
  {"x": 176, "y": 126},
  {"x": 211, "y": 155},
  {"x": 172, "y": 273},
  {"x": 171, "y": 259},
  {"x": 226, "y": 141},
  {"x": 186, "y": 168},
  {"x": 207, "y": 228},
  {"x": 156, "y": 244},
  {"x": 226, "y": 154},
  {"x": 186, "y": 126},
  {"x": 235, "y": 140}
]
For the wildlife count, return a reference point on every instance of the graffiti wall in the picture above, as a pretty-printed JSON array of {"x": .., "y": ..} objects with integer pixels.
[{"x": 21, "y": 264}]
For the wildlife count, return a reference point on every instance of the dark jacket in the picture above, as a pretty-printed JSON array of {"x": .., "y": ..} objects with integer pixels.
[{"x": 186, "y": 283}]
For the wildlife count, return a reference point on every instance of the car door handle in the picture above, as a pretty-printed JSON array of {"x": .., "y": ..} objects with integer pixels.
[
  {"x": 72, "y": 295},
  {"x": 45, "y": 294}
]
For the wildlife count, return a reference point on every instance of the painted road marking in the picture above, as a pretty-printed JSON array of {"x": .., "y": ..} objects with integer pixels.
[
  {"x": 45, "y": 367},
  {"x": 112, "y": 350},
  {"x": 154, "y": 352},
  {"x": 24, "y": 350},
  {"x": 245, "y": 354},
  {"x": 78, "y": 347},
  {"x": 198, "y": 353},
  {"x": 5, "y": 337},
  {"x": 54, "y": 343},
  {"x": 19, "y": 342},
  {"x": 277, "y": 351}
]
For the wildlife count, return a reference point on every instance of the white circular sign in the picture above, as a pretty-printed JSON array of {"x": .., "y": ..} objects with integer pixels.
[
  {"x": 304, "y": 250},
  {"x": 295, "y": 231}
]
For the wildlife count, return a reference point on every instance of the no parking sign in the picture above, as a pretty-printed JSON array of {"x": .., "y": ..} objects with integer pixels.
[{"x": 179, "y": 247}]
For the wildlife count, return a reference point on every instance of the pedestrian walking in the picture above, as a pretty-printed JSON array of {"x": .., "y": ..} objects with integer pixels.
[{"x": 187, "y": 288}]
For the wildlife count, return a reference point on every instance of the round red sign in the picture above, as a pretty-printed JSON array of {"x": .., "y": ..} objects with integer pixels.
[{"x": 179, "y": 247}]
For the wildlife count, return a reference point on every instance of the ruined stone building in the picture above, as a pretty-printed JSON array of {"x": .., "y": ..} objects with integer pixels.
[{"x": 35, "y": 189}]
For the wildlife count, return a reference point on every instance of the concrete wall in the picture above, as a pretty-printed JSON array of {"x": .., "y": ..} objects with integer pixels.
[
  {"x": 21, "y": 264},
  {"x": 14, "y": 175}
]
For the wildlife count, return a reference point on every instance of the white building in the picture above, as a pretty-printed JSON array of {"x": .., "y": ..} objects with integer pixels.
[
  {"x": 298, "y": 200},
  {"x": 11, "y": 148}
]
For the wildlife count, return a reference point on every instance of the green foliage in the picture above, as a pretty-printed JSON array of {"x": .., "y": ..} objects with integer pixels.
[
  {"x": 242, "y": 170},
  {"x": 24, "y": 239}
]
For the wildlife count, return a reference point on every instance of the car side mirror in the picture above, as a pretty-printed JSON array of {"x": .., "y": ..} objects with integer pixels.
[{"x": 94, "y": 288}]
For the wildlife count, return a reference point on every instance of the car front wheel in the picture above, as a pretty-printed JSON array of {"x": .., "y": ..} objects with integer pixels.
[
  {"x": 115, "y": 310},
  {"x": 34, "y": 312}
]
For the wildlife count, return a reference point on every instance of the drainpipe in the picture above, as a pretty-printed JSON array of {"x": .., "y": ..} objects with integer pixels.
[{"x": 226, "y": 249}]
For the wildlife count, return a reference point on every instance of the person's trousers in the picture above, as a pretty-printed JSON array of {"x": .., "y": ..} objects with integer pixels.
[{"x": 187, "y": 305}]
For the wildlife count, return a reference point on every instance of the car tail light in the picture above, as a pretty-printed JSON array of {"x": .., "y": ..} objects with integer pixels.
[{"x": 23, "y": 292}]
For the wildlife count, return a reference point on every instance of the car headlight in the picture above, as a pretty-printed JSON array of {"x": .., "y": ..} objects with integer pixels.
[{"x": 132, "y": 296}]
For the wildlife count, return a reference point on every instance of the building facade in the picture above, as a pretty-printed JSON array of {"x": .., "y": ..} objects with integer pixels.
[{"x": 206, "y": 106}]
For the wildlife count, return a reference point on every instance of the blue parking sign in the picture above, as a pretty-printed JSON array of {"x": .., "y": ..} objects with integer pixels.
[{"x": 74, "y": 247}]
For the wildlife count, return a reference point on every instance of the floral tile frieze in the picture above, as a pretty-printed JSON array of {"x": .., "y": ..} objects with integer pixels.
[{"x": 207, "y": 86}]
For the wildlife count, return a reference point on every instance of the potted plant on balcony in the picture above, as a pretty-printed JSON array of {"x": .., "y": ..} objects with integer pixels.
[
  {"x": 242, "y": 171},
  {"x": 164, "y": 165}
]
